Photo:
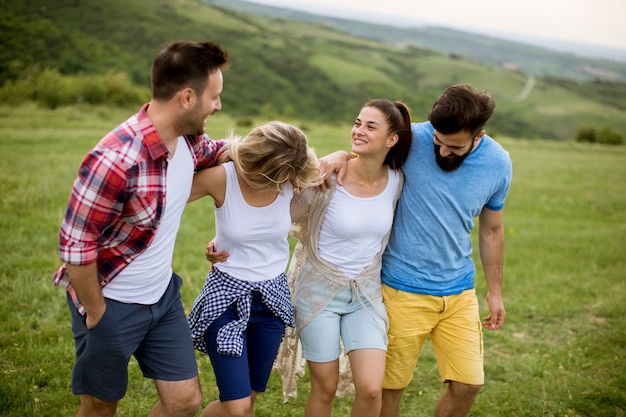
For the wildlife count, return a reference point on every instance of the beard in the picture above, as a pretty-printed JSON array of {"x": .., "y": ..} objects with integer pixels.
[
  {"x": 194, "y": 122},
  {"x": 451, "y": 162},
  {"x": 196, "y": 127}
]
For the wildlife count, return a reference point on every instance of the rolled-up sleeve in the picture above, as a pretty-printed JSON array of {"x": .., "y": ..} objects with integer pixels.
[{"x": 94, "y": 204}]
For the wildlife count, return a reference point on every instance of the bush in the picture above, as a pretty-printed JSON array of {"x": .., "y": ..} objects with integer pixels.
[
  {"x": 244, "y": 121},
  {"x": 11, "y": 94},
  {"x": 606, "y": 136},
  {"x": 609, "y": 137},
  {"x": 93, "y": 91},
  {"x": 120, "y": 90},
  {"x": 52, "y": 89},
  {"x": 586, "y": 134}
]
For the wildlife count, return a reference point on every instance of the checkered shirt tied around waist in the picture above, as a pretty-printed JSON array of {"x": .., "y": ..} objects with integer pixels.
[{"x": 219, "y": 292}]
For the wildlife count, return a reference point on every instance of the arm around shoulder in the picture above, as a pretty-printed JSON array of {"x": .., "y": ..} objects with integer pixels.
[
  {"x": 334, "y": 162},
  {"x": 210, "y": 181},
  {"x": 212, "y": 152}
]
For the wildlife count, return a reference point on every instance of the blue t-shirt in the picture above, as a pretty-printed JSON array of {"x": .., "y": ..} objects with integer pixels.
[{"x": 430, "y": 248}]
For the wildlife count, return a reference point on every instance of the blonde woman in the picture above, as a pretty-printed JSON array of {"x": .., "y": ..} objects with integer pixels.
[{"x": 239, "y": 318}]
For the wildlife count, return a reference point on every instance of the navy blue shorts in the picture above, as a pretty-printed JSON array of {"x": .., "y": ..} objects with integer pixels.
[
  {"x": 237, "y": 377},
  {"x": 157, "y": 335}
]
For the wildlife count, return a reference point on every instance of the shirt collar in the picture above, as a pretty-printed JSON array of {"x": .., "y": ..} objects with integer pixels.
[{"x": 151, "y": 139}]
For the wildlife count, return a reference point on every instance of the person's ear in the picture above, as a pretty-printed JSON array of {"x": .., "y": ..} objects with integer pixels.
[
  {"x": 187, "y": 98},
  {"x": 392, "y": 140}
]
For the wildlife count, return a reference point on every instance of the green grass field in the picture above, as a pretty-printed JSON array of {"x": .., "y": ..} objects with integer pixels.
[{"x": 561, "y": 352}]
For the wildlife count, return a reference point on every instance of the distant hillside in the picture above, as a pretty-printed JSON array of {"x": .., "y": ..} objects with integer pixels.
[
  {"x": 505, "y": 54},
  {"x": 288, "y": 68}
]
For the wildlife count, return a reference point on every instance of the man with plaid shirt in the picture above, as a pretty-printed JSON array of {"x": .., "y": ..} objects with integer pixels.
[{"x": 117, "y": 238}]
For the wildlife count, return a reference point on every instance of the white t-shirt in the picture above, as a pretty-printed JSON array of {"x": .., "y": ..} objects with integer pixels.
[
  {"x": 145, "y": 279},
  {"x": 255, "y": 237},
  {"x": 354, "y": 227}
]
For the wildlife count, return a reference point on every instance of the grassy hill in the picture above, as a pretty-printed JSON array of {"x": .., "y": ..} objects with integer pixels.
[
  {"x": 287, "y": 68},
  {"x": 533, "y": 60}
]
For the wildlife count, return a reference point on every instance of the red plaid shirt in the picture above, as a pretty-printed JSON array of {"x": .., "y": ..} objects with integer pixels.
[{"x": 116, "y": 202}]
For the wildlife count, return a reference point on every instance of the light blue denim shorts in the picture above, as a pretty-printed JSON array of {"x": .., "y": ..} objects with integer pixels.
[{"x": 345, "y": 319}]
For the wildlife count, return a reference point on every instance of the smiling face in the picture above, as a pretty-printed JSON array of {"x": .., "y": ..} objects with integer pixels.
[
  {"x": 370, "y": 132},
  {"x": 205, "y": 104}
]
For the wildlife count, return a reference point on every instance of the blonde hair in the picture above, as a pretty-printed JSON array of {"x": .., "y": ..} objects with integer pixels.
[{"x": 274, "y": 153}]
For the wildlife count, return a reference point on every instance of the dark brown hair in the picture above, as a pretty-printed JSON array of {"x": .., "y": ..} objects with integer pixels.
[
  {"x": 398, "y": 117},
  {"x": 184, "y": 64},
  {"x": 461, "y": 107}
]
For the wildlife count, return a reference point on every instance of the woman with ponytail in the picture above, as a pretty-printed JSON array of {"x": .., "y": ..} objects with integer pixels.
[{"x": 335, "y": 271}]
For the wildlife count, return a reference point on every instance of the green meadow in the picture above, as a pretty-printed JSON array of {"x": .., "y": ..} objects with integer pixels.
[{"x": 561, "y": 352}]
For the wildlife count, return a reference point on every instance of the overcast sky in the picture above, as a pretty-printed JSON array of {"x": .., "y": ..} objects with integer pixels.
[{"x": 595, "y": 22}]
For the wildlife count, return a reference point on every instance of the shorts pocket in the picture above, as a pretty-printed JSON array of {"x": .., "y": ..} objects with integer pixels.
[{"x": 102, "y": 323}]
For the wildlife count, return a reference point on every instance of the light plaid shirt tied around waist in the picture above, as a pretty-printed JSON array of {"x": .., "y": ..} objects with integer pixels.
[{"x": 220, "y": 291}]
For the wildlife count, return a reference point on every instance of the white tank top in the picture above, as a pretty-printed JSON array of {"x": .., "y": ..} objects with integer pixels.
[
  {"x": 353, "y": 227},
  {"x": 255, "y": 237},
  {"x": 146, "y": 278}
]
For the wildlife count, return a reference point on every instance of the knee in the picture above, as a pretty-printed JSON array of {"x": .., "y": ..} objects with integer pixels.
[
  {"x": 186, "y": 405},
  {"x": 324, "y": 391},
  {"x": 392, "y": 394},
  {"x": 239, "y": 408},
  {"x": 464, "y": 390},
  {"x": 193, "y": 402},
  {"x": 369, "y": 392},
  {"x": 324, "y": 387},
  {"x": 91, "y": 406}
]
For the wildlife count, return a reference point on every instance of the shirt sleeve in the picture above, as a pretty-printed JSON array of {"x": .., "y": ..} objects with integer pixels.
[
  {"x": 211, "y": 152},
  {"x": 94, "y": 204},
  {"x": 496, "y": 202}
]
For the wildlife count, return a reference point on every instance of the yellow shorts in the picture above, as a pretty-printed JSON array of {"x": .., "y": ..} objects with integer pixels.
[{"x": 453, "y": 324}]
